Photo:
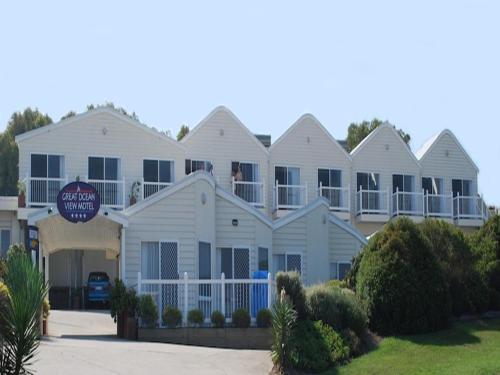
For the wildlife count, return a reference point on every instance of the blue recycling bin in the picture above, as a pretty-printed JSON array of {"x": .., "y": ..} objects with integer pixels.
[{"x": 259, "y": 293}]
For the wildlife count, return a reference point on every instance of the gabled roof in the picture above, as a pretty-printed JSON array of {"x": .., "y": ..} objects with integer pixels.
[
  {"x": 93, "y": 112},
  {"x": 374, "y": 133},
  {"x": 297, "y": 214},
  {"x": 434, "y": 140},
  {"x": 236, "y": 120},
  {"x": 348, "y": 228},
  {"x": 315, "y": 121},
  {"x": 185, "y": 182}
]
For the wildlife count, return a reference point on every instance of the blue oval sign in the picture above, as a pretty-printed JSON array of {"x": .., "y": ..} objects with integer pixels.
[{"x": 78, "y": 202}]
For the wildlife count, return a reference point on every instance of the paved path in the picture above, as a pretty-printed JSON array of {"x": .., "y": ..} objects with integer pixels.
[{"x": 84, "y": 343}]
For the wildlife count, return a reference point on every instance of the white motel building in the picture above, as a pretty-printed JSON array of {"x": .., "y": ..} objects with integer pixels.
[{"x": 226, "y": 201}]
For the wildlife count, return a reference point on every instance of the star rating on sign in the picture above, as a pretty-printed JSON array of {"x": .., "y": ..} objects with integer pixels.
[{"x": 78, "y": 216}]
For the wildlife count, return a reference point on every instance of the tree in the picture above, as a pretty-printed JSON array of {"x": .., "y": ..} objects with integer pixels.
[
  {"x": 183, "y": 131},
  {"x": 68, "y": 115},
  {"x": 357, "y": 132},
  {"x": 122, "y": 110},
  {"x": 20, "y": 122}
]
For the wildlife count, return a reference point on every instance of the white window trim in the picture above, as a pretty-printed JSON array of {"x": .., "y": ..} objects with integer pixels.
[{"x": 62, "y": 156}]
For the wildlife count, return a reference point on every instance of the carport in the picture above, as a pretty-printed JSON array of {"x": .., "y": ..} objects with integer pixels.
[{"x": 69, "y": 251}]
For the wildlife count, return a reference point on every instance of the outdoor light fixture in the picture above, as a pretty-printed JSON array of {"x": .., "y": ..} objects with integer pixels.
[
  {"x": 49, "y": 211},
  {"x": 235, "y": 222},
  {"x": 105, "y": 213}
]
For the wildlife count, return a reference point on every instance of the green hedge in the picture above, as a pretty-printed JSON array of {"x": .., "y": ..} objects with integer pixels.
[{"x": 292, "y": 284}]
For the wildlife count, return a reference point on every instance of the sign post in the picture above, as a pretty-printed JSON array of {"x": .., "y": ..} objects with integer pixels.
[{"x": 78, "y": 202}]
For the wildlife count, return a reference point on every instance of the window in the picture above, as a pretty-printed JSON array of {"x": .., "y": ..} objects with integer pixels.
[
  {"x": 47, "y": 166},
  {"x": 249, "y": 171},
  {"x": 433, "y": 185},
  {"x": 370, "y": 200},
  {"x": 4, "y": 242},
  {"x": 368, "y": 181},
  {"x": 287, "y": 262},
  {"x": 435, "y": 201},
  {"x": 197, "y": 165},
  {"x": 404, "y": 184},
  {"x": 333, "y": 271},
  {"x": 288, "y": 196},
  {"x": 331, "y": 178},
  {"x": 339, "y": 270},
  {"x": 205, "y": 273},
  {"x": 46, "y": 172},
  {"x": 235, "y": 264},
  {"x": 263, "y": 259},
  {"x": 103, "y": 168},
  {"x": 158, "y": 171},
  {"x": 463, "y": 188}
]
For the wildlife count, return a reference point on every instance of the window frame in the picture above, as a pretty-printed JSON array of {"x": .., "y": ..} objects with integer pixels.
[
  {"x": 218, "y": 259},
  {"x": 104, "y": 157},
  {"x": 5, "y": 229},
  {"x": 157, "y": 160},
  {"x": 369, "y": 175},
  {"x": 286, "y": 254},
  {"x": 257, "y": 178},
  {"x": 62, "y": 166},
  {"x": 159, "y": 242},
  {"x": 330, "y": 176},
  {"x": 197, "y": 160},
  {"x": 338, "y": 267}
]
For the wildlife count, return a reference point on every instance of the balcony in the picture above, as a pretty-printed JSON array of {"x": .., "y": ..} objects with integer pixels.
[
  {"x": 338, "y": 200},
  {"x": 111, "y": 192},
  {"x": 410, "y": 204},
  {"x": 150, "y": 188},
  {"x": 289, "y": 197},
  {"x": 372, "y": 205},
  {"x": 469, "y": 211},
  {"x": 250, "y": 191},
  {"x": 438, "y": 206},
  {"x": 43, "y": 191}
]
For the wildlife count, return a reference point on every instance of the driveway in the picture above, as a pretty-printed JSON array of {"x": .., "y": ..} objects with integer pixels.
[{"x": 83, "y": 342}]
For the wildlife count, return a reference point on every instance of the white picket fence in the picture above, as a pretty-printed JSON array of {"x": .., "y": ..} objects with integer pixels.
[{"x": 209, "y": 295}]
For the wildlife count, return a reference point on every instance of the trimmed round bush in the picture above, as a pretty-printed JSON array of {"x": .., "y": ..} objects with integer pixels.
[
  {"x": 172, "y": 317},
  {"x": 264, "y": 318},
  {"x": 241, "y": 318},
  {"x": 148, "y": 311},
  {"x": 196, "y": 317},
  {"x": 292, "y": 284},
  {"x": 218, "y": 320},
  {"x": 317, "y": 347},
  {"x": 469, "y": 294},
  {"x": 401, "y": 282},
  {"x": 336, "y": 307}
]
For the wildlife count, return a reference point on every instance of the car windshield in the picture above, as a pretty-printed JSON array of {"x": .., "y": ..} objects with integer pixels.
[{"x": 98, "y": 276}]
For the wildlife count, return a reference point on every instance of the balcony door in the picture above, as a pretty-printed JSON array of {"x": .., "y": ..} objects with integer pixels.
[
  {"x": 331, "y": 178},
  {"x": 244, "y": 174},
  {"x": 463, "y": 188},
  {"x": 46, "y": 178},
  {"x": 104, "y": 174},
  {"x": 288, "y": 195},
  {"x": 434, "y": 189},
  {"x": 404, "y": 184},
  {"x": 370, "y": 199},
  {"x": 235, "y": 264}
]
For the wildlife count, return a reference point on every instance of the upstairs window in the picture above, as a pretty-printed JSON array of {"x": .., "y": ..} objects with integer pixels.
[
  {"x": 158, "y": 171},
  {"x": 103, "y": 168},
  {"x": 368, "y": 181},
  {"x": 198, "y": 165},
  {"x": 5, "y": 242},
  {"x": 245, "y": 171},
  {"x": 433, "y": 185},
  {"x": 329, "y": 177},
  {"x": 47, "y": 166},
  {"x": 405, "y": 183}
]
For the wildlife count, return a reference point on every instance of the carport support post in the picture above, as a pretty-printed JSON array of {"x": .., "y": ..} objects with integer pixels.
[
  {"x": 184, "y": 315},
  {"x": 269, "y": 289},
  {"x": 122, "y": 254}
]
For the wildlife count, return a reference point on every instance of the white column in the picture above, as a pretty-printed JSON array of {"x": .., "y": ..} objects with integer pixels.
[
  {"x": 122, "y": 255},
  {"x": 47, "y": 268}
]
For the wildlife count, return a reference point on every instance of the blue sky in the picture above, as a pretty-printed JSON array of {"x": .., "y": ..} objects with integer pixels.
[{"x": 422, "y": 65}]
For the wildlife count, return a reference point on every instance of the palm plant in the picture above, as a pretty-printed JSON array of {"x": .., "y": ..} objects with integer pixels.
[
  {"x": 20, "y": 329},
  {"x": 283, "y": 323}
]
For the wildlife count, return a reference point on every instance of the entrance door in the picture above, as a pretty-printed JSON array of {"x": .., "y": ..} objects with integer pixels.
[
  {"x": 235, "y": 263},
  {"x": 169, "y": 271}
]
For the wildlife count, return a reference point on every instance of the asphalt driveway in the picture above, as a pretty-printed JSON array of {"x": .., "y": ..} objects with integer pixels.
[{"x": 83, "y": 342}]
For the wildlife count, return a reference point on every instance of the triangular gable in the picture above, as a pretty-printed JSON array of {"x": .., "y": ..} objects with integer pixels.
[
  {"x": 236, "y": 121},
  {"x": 375, "y": 133},
  {"x": 300, "y": 121},
  {"x": 433, "y": 141},
  {"x": 297, "y": 214},
  {"x": 348, "y": 228},
  {"x": 93, "y": 112}
]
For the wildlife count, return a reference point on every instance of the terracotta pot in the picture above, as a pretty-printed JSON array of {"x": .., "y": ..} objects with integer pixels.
[
  {"x": 45, "y": 327},
  {"x": 21, "y": 200}
]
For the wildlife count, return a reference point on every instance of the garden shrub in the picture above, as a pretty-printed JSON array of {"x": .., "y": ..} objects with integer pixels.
[
  {"x": 284, "y": 318},
  {"x": 148, "y": 311},
  {"x": 351, "y": 277},
  {"x": 172, "y": 316},
  {"x": 241, "y": 318},
  {"x": 218, "y": 320},
  {"x": 45, "y": 308},
  {"x": 401, "y": 282},
  {"x": 469, "y": 294},
  {"x": 196, "y": 317},
  {"x": 292, "y": 284},
  {"x": 317, "y": 347},
  {"x": 264, "y": 318},
  {"x": 336, "y": 307},
  {"x": 353, "y": 341}
]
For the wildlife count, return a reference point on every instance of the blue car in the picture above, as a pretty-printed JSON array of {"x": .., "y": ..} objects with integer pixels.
[{"x": 98, "y": 287}]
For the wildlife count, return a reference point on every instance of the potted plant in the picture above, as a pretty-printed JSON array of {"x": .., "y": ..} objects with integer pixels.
[
  {"x": 45, "y": 316},
  {"x": 117, "y": 303},
  {"x": 131, "y": 304},
  {"x": 134, "y": 192},
  {"x": 21, "y": 197}
]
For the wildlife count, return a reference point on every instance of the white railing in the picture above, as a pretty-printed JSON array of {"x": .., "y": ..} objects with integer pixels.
[
  {"x": 250, "y": 191},
  {"x": 407, "y": 203},
  {"x": 438, "y": 205},
  {"x": 289, "y": 197},
  {"x": 150, "y": 188},
  {"x": 372, "y": 202},
  {"x": 111, "y": 192},
  {"x": 469, "y": 207},
  {"x": 339, "y": 198},
  {"x": 42, "y": 191},
  {"x": 224, "y": 295}
]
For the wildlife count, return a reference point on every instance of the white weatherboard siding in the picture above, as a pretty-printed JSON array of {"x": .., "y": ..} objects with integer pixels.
[
  {"x": 221, "y": 139},
  {"x": 307, "y": 146},
  {"x": 318, "y": 269},
  {"x": 343, "y": 246},
  {"x": 8, "y": 220},
  {"x": 436, "y": 163},
  {"x": 84, "y": 137}
]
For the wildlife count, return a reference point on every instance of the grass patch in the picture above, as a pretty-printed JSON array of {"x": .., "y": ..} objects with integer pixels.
[{"x": 466, "y": 348}]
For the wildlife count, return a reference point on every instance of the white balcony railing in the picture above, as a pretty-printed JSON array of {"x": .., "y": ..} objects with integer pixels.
[
  {"x": 42, "y": 191},
  {"x": 289, "y": 197},
  {"x": 407, "y": 203},
  {"x": 372, "y": 202},
  {"x": 250, "y": 191},
  {"x": 149, "y": 188},
  {"x": 111, "y": 192},
  {"x": 338, "y": 198},
  {"x": 438, "y": 205},
  {"x": 469, "y": 207},
  {"x": 224, "y": 295}
]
